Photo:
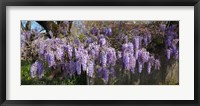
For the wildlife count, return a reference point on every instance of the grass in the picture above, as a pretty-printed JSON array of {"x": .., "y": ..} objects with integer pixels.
[{"x": 58, "y": 80}]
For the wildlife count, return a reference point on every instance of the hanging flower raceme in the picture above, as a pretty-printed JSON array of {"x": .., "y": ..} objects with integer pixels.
[
  {"x": 103, "y": 58},
  {"x": 60, "y": 54},
  {"x": 78, "y": 67},
  {"x": 168, "y": 53},
  {"x": 136, "y": 42},
  {"x": 150, "y": 64},
  {"x": 132, "y": 63},
  {"x": 84, "y": 59},
  {"x": 37, "y": 69},
  {"x": 163, "y": 27},
  {"x": 51, "y": 58},
  {"x": 100, "y": 72},
  {"x": 102, "y": 41},
  {"x": 105, "y": 75},
  {"x": 111, "y": 56},
  {"x": 171, "y": 42},
  {"x": 147, "y": 38},
  {"x": 33, "y": 70},
  {"x": 157, "y": 64},
  {"x": 107, "y": 31},
  {"x": 131, "y": 47},
  {"x": 119, "y": 54},
  {"x": 126, "y": 39},
  {"x": 126, "y": 60},
  {"x": 94, "y": 31},
  {"x": 149, "y": 67},
  {"x": 144, "y": 55},
  {"x": 90, "y": 70},
  {"x": 140, "y": 41},
  {"x": 140, "y": 65},
  {"x": 69, "y": 49},
  {"x": 136, "y": 53}
]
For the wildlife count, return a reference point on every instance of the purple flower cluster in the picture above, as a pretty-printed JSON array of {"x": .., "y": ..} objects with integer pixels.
[
  {"x": 37, "y": 69},
  {"x": 107, "y": 31},
  {"x": 26, "y": 35},
  {"x": 111, "y": 56},
  {"x": 96, "y": 56},
  {"x": 104, "y": 73},
  {"x": 90, "y": 70},
  {"x": 171, "y": 42},
  {"x": 94, "y": 31},
  {"x": 134, "y": 54},
  {"x": 75, "y": 58}
]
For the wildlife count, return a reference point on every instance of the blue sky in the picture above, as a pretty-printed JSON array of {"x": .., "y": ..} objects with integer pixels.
[{"x": 34, "y": 25}]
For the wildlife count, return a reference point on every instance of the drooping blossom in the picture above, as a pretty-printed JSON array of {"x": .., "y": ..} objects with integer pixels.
[
  {"x": 78, "y": 67},
  {"x": 136, "y": 42},
  {"x": 37, "y": 69},
  {"x": 157, "y": 64},
  {"x": 90, "y": 70}
]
